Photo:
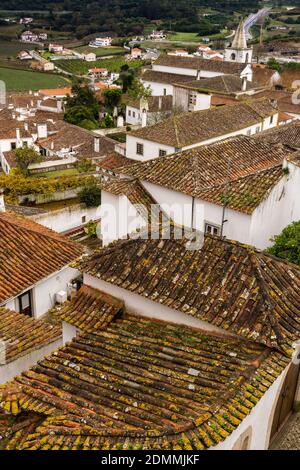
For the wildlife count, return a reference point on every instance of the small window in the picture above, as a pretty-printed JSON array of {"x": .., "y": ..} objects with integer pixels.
[
  {"x": 13, "y": 145},
  {"x": 83, "y": 219},
  {"x": 140, "y": 149},
  {"x": 129, "y": 112},
  {"x": 25, "y": 304},
  {"x": 133, "y": 113},
  {"x": 212, "y": 229},
  {"x": 271, "y": 119},
  {"x": 162, "y": 153},
  {"x": 249, "y": 132},
  {"x": 257, "y": 130},
  {"x": 165, "y": 91},
  {"x": 192, "y": 98}
]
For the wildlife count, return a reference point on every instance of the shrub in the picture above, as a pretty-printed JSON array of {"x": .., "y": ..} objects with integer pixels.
[
  {"x": 287, "y": 244},
  {"x": 90, "y": 195}
]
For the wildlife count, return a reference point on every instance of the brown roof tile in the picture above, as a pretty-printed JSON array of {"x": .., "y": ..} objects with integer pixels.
[
  {"x": 225, "y": 283},
  {"x": 198, "y": 63},
  {"x": 226, "y": 84},
  {"x": 23, "y": 334},
  {"x": 164, "y": 77},
  {"x": 287, "y": 135},
  {"x": 194, "y": 170},
  {"x": 30, "y": 252},
  {"x": 140, "y": 384},
  {"x": 90, "y": 310},
  {"x": 187, "y": 129}
]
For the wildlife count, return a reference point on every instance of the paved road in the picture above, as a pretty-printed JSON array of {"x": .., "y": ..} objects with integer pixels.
[
  {"x": 253, "y": 18},
  {"x": 289, "y": 436}
]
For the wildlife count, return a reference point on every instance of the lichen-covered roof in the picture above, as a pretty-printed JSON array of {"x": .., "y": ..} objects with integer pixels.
[
  {"x": 30, "y": 252},
  {"x": 90, "y": 310},
  {"x": 198, "y": 63},
  {"x": 197, "y": 169},
  {"x": 164, "y": 77},
  {"x": 226, "y": 84},
  {"x": 186, "y": 129},
  {"x": 244, "y": 194},
  {"x": 229, "y": 285},
  {"x": 22, "y": 334},
  {"x": 288, "y": 135},
  {"x": 140, "y": 384}
]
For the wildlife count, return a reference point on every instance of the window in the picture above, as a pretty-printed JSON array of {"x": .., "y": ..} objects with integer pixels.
[
  {"x": 133, "y": 113},
  {"x": 162, "y": 153},
  {"x": 257, "y": 130},
  {"x": 25, "y": 304},
  {"x": 212, "y": 229},
  {"x": 249, "y": 132},
  {"x": 165, "y": 91},
  {"x": 129, "y": 112},
  {"x": 83, "y": 219},
  {"x": 271, "y": 119},
  {"x": 140, "y": 149},
  {"x": 13, "y": 145},
  {"x": 192, "y": 98}
]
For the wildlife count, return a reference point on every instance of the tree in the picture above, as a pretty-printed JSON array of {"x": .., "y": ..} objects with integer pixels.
[
  {"x": 127, "y": 76},
  {"x": 274, "y": 65},
  {"x": 82, "y": 109},
  {"x": 90, "y": 195},
  {"x": 107, "y": 122},
  {"x": 26, "y": 156},
  {"x": 137, "y": 90},
  {"x": 287, "y": 244},
  {"x": 112, "y": 99},
  {"x": 82, "y": 116}
]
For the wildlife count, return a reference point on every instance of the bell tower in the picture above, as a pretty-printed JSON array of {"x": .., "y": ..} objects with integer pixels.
[{"x": 239, "y": 51}]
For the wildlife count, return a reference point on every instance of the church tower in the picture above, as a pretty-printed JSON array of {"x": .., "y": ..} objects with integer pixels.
[{"x": 239, "y": 51}]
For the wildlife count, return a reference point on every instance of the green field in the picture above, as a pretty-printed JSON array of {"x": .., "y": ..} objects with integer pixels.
[
  {"x": 23, "y": 80},
  {"x": 10, "y": 48},
  {"x": 184, "y": 37},
  {"x": 81, "y": 67},
  {"x": 102, "y": 51}
]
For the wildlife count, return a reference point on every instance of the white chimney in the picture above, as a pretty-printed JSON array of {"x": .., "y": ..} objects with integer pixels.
[
  {"x": 31, "y": 103},
  {"x": 2, "y": 203},
  {"x": 159, "y": 102},
  {"x": 198, "y": 76},
  {"x": 97, "y": 144},
  {"x": 144, "y": 118},
  {"x": 244, "y": 83},
  {"x": 18, "y": 136},
  {"x": 52, "y": 145},
  {"x": 59, "y": 106},
  {"x": 26, "y": 126}
]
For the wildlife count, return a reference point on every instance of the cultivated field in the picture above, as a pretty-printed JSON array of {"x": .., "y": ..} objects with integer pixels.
[
  {"x": 23, "y": 80},
  {"x": 81, "y": 67},
  {"x": 10, "y": 48},
  {"x": 101, "y": 51}
]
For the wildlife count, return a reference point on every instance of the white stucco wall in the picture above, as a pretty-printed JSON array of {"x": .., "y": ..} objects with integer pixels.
[
  {"x": 118, "y": 218},
  {"x": 67, "y": 218},
  {"x": 151, "y": 149},
  {"x": 158, "y": 89},
  {"x": 278, "y": 210},
  {"x": 69, "y": 332},
  {"x": 13, "y": 368}
]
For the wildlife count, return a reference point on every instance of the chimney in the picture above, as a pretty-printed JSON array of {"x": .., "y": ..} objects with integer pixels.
[
  {"x": 26, "y": 126},
  {"x": 244, "y": 83},
  {"x": 52, "y": 145},
  {"x": 31, "y": 103},
  {"x": 2, "y": 203},
  {"x": 198, "y": 76},
  {"x": 97, "y": 144},
  {"x": 59, "y": 106},
  {"x": 144, "y": 118},
  {"x": 18, "y": 135},
  {"x": 159, "y": 102}
]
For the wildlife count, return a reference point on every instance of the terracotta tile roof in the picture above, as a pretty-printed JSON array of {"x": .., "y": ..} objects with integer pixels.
[
  {"x": 262, "y": 76},
  {"x": 90, "y": 310},
  {"x": 56, "y": 91},
  {"x": 194, "y": 170},
  {"x": 25, "y": 210},
  {"x": 288, "y": 135},
  {"x": 30, "y": 252},
  {"x": 225, "y": 283},
  {"x": 113, "y": 161},
  {"x": 164, "y": 77},
  {"x": 8, "y": 129},
  {"x": 227, "y": 84},
  {"x": 80, "y": 140},
  {"x": 23, "y": 334},
  {"x": 294, "y": 158},
  {"x": 187, "y": 129},
  {"x": 284, "y": 100},
  {"x": 244, "y": 194},
  {"x": 155, "y": 103},
  {"x": 141, "y": 384},
  {"x": 198, "y": 63}
]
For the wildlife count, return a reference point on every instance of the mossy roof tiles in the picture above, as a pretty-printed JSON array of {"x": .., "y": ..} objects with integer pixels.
[
  {"x": 198, "y": 63},
  {"x": 90, "y": 310},
  {"x": 288, "y": 135},
  {"x": 195, "y": 170},
  {"x": 225, "y": 283},
  {"x": 22, "y": 334},
  {"x": 30, "y": 252},
  {"x": 186, "y": 129},
  {"x": 140, "y": 383}
]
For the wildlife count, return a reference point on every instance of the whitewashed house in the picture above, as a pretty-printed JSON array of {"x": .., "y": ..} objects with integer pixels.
[
  {"x": 35, "y": 269},
  {"x": 185, "y": 131},
  {"x": 148, "y": 111},
  {"x": 229, "y": 188}
]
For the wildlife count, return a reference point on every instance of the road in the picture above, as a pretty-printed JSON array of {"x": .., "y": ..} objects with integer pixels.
[{"x": 253, "y": 18}]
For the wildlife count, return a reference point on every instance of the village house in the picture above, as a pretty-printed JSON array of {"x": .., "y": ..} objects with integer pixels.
[
  {"x": 158, "y": 345},
  {"x": 187, "y": 130},
  {"x": 157, "y": 35},
  {"x": 44, "y": 65},
  {"x": 55, "y": 92},
  {"x": 24, "y": 55},
  {"x": 55, "y": 48},
  {"x": 24, "y": 341},
  {"x": 179, "y": 52},
  {"x": 89, "y": 56},
  {"x": 228, "y": 188},
  {"x": 196, "y": 95},
  {"x": 168, "y": 69},
  {"x": 148, "y": 111},
  {"x": 212, "y": 55},
  {"x": 136, "y": 53},
  {"x": 101, "y": 42},
  {"x": 35, "y": 263}
]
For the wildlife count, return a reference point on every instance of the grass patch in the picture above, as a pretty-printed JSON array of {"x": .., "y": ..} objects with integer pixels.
[
  {"x": 81, "y": 67},
  {"x": 10, "y": 48},
  {"x": 101, "y": 51},
  {"x": 184, "y": 37},
  {"x": 57, "y": 173},
  {"x": 25, "y": 80}
]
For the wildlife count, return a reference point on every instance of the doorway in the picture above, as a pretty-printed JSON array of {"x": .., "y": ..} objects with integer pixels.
[{"x": 25, "y": 303}]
